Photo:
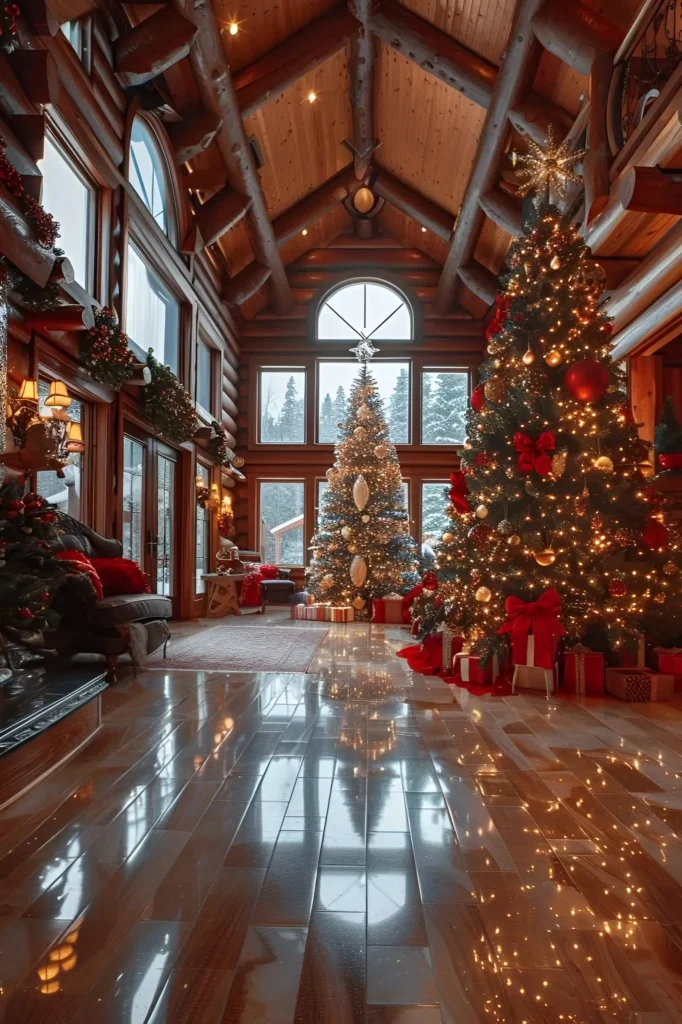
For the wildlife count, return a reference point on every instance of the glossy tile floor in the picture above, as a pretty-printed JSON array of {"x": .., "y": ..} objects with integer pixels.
[{"x": 283, "y": 848}]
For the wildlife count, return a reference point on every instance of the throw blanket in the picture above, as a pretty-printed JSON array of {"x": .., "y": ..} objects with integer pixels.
[{"x": 250, "y": 589}]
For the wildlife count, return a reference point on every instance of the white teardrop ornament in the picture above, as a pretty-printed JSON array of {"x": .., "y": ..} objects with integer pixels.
[
  {"x": 346, "y": 532},
  {"x": 358, "y": 570},
  {"x": 360, "y": 493}
]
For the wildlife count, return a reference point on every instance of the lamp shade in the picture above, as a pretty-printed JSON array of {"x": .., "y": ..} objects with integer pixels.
[
  {"x": 28, "y": 392},
  {"x": 74, "y": 437},
  {"x": 58, "y": 395}
]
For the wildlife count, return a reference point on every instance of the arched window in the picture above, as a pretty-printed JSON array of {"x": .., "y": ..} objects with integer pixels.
[
  {"x": 365, "y": 309},
  {"x": 147, "y": 173}
]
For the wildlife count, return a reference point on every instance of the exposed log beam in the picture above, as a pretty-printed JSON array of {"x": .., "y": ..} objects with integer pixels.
[
  {"x": 426, "y": 213},
  {"x": 153, "y": 46},
  {"x": 41, "y": 19},
  {"x": 343, "y": 259},
  {"x": 317, "y": 278},
  {"x": 439, "y": 54},
  {"x": 658, "y": 271},
  {"x": 205, "y": 179},
  {"x": 598, "y": 157},
  {"x": 479, "y": 280},
  {"x": 59, "y": 320},
  {"x": 575, "y": 33},
  {"x": 483, "y": 177},
  {"x": 504, "y": 209},
  {"x": 271, "y": 74},
  {"x": 246, "y": 283},
  {"x": 220, "y": 213},
  {"x": 315, "y": 205},
  {"x": 216, "y": 88},
  {"x": 18, "y": 244},
  {"x": 658, "y": 324},
  {"x": 363, "y": 142},
  {"x": 193, "y": 134},
  {"x": 652, "y": 190},
  {"x": 37, "y": 73}
]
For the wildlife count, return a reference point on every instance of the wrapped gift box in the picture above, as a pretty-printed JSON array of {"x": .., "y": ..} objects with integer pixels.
[
  {"x": 583, "y": 672},
  {"x": 341, "y": 613},
  {"x": 639, "y": 684},
  {"x": 313, "y": 612},
  {"x": 633, "y": 659},
  {"x": 390, "y": 609},
  {"x": 529, "y": 676},
  {"x": 452, "y": 645},
  {"x": 669, "y": 662},
  {"x": 468, "y": 668}
]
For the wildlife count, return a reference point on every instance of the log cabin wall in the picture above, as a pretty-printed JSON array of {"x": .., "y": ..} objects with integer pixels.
[
  {"x": 59, "y": 93},
  {"x": 441, "y": 342}
]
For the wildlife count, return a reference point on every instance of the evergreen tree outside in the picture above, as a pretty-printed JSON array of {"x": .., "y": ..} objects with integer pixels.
[
  {"x": 340, "y": 411},
  {"x": 285, "y": 425},
  {"x": 554, "y": 492},
  {"x": 399, "y": 410},
  {"x": 362, "y": 548},
  {"x": 451, "y": 399},
  {"x": 279, "y": 503},
  {"x": 429, "y": 431},
  {"x": 327, "y": 429}
]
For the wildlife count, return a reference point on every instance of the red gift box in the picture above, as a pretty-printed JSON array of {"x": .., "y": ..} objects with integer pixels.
[
  {"x": 390, "y": 609},
  {"x": 468, "y": 668},
  {"x": 583, "y": 671},
  {"x": 669, "y": 662},
  {"x": 415, "y": 627}
]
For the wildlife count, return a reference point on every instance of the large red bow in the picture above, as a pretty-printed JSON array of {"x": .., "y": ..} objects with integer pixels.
[
  {"x": 541, "y": 618},
  {"x": 458, "y": 491},
  {"x": 533, "y": 454}
]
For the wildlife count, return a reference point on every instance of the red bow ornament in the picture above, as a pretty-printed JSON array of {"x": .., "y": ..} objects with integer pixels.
[
  {"x": 533, "y": 454},
  {"x": 458, "y": 492},
  {"x": 537, "y": 618}
]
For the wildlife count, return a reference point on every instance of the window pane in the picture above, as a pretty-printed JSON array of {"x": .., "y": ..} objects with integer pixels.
[
  {"x": 68, "y": 199},
  {"x": 202, "y": 535},
  {"x": 152, "y": 314},
  {"x": 322, "y": 486},
  {"x": 434, "y": 509},
  {"x": 64, "y": 493},
  {"x": 445, "y": 397},
  {"x": 282, "y": 407},
  {"x": 133, "y": 497},
  {"x": 281, "y": 517},
  {"x": 147, "y": 172},
  {"x": 205, "y": 376},
  {"x": 335, "y": 380},
  {"x": 365, "y": 309},
  {"x": 165, "y": 471}
]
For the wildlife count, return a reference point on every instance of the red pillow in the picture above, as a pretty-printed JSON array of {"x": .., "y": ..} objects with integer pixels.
[
  {"x": 121, "y": 576},
  {"x": 81, "y": 563}
]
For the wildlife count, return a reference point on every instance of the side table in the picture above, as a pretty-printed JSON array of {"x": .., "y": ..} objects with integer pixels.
[{"x": 222, "y": 594}]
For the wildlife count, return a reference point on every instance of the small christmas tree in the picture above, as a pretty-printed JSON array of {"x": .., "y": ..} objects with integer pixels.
[
  {"x": 362, "y": 548},
  {"x": 668, "y": 439}
]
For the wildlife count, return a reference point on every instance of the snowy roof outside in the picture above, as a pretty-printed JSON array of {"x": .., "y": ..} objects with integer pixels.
[{"x": 290, "y": 524}]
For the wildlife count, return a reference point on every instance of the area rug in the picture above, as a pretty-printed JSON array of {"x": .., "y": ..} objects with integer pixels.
[{"x": 229, "y": 648}]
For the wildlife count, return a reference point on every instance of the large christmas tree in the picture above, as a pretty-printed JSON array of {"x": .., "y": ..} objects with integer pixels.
[
  {"x": 553, "y": 489},
  {"x": 362, "y": 548}
]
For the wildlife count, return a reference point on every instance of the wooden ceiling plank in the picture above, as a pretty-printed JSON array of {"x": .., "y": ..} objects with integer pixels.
[
  {"x": 153, "y": 46},
  {"x": 216, "y": 88},
  {"x": 363, "y": 143},
  {"x": 410, "y": 202},
  {"x": 483, "y": 177},
  {"x": 270, "y": 75}
]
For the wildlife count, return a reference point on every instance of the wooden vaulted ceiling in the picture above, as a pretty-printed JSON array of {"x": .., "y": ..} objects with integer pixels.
[{"x": 432, "y": 127}]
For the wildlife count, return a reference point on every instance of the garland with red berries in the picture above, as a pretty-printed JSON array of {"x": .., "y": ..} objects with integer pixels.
[
  {"x": 8, "y": 27},
  {"x": 45, "y": 226},
  {"x": 105, "y": 351},
  {"x": 218, "y": 447},
  {"x": 167, "y": 404}
]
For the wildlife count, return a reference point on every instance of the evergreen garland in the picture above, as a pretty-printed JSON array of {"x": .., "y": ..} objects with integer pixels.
[
  {"x": 8, "y": 27},
  {"x": 44, "y": 224},
  {"x": 218, "y": 447},
  {"x": 167, "y": 404},
  {"x": 105, "y": 351}
]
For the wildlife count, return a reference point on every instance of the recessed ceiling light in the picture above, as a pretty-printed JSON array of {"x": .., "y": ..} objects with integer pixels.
[
  {"x": 305, "y": 231},
  {"x": 424, "y": 229},
  {"x": 234, "y": 28},
  {"x": 312, "y": 96}
]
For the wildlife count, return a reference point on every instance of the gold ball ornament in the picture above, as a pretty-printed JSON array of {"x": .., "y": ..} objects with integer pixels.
[
  {"x": 346, "y": 532},
  {"x": 482, "y": 512},
  {"x": 447, "y": 537},
  {"x": 670, "y": 568},
  {"x": 381, "y": 450},
  {"x": 528, "y": 357},
  {"x": 553, "y": 357},
  {"x": 365, "y": 519},
  {"x": 352, "y": 549},
  {"x": 590, "y": 278},
  {"x": 555, "y": 263},
  {"x": 358, "y": 570},
  {"x": 495, "y": 390},
  {"x": 514, "y": 540},
  {"x": 359, "y": 432},
  {"x": 604, "y": 464},
  {"x": 483, "y": 595},
  {"x": 358, "y": 603},
  {"x": 360, "y": 492},
  {"x": 545, "y": 557},
  {"x": 559, "y": 464}
]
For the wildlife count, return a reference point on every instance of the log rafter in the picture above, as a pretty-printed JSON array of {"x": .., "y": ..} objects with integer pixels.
[{"x": 362, "y": 144}]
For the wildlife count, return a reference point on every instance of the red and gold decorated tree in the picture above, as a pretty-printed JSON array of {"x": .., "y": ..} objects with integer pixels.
[{"x": 553, "y": 489}]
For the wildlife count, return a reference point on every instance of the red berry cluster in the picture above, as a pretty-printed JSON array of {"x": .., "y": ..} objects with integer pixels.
[
  {"x": 8, "y": 26},
  {"x": 46, "y": 228},
  {"x": 106, "y": 351}
]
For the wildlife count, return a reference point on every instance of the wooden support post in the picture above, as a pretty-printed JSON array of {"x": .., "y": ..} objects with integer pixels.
[
  {"x": 220, "y": 213},
  {"x": 646, "y": 380},
  {"x": 153, "y": 46},
  {"x": 479, "y": 280},
  {"x": 193, "y": 134},
  {"x": 245, "y": 284},
  {"x": 432, "y": 217},
  {"x": 504, "y": 209},
  {"x": 301, "y": 53},
  {"x": 216, "y": 88},
  {"x": 575, "y": 33},
  {"x": 315, "y": 205},
  {"x": 483, "y": 177},
  {"x": 598, "y": 157},
  {"x": 363, "y": 143}
]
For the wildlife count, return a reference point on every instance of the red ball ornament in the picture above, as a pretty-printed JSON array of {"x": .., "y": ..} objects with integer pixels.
[
  {"x": 655, "y": 534},
  {"x": 12, "y": 515},
  {"x": 617, "y": 588},
  {"x": 477, "y": 398},
  {"x": 25, "y": 613},
  {"x": 586, "y": 380},
  {"x": 430, "y": 581},
  {"x": 480, "y": 534},
  {"x": 49, "y": 517},
  {"x": 438, "y": 602}
]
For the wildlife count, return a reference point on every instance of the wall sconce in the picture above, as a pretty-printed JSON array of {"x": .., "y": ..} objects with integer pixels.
[
  {"x": 59, "y": 435},
  {"x": 208, "y": 498}
]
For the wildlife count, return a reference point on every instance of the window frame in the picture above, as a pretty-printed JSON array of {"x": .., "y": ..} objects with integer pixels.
[
  {"x": 406, "y": 359},
  {"x": 208, "y": 467},
  {"x": 387, "y": 281},
  {"x": 279, "y": 368},
  {"x": 214, "y": 358},
  {"x": 260, "y": 480},
  {"x": 132, "y": 240},
  {"x": 428, "y": 368},
  {"x": 172, "y": 235}
]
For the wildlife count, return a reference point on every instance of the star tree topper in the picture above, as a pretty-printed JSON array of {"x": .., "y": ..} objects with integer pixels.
[
  {"x": 548, "y": 168},
  {"x": 364, "y": 350}
]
